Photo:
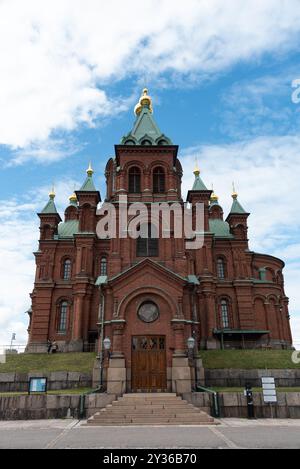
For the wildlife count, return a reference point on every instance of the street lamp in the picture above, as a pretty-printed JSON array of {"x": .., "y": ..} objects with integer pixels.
[
  {"x": 191, "y": 355},
  {"x": 107, "y": 343},
  {"x": 191, "y": 343}
]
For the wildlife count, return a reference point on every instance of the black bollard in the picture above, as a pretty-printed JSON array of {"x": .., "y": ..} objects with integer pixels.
[{"x": 250, "y": 404}]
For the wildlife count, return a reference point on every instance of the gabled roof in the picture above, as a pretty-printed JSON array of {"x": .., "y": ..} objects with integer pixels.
[
  {"x": 236, "y": 207},
  {"x": 198, "y": 184},
  {"x": 88, "y": 185},
  {"x": 50, "y": 207},
  {"x": 145, "y": 130},
  {"x": 156, "y": 265}
]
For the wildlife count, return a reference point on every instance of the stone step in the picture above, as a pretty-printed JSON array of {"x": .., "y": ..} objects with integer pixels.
[
  {"x": 142, "y": 419},
  {"x": 145, "y": 424},
  {"x": 145, "y": 409},
  {"x": 150, "y": 403},
  {"x": 150, "y": 411},
  {"x": 153, "y": 395},
  {"x": 150, "y": 398}
]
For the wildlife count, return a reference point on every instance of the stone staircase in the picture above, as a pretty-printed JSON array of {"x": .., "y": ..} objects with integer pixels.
[{"x": 150, "y": 409}]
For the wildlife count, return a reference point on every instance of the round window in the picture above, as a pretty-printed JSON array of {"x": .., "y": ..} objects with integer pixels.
[{"x": 148, "y": 311}]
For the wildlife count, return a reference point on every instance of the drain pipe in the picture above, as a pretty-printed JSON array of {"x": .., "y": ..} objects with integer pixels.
[{"x": 101, "y": 323}]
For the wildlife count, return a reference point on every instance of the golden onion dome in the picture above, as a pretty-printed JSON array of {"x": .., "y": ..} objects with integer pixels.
[
  {"x": 90, "y": 170},
  {"x": 234, "y": 193},
  {"x": 73, "y": 198},
  {"x": 196, "y": 169},
  {"x": 137, "y": 109},
  {"x": 52, "y": 193},
  {"x": 145, "y": 100},
  {"x": 214, "y": 197}
]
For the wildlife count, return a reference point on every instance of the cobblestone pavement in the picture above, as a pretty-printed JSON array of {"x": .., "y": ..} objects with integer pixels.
[{"x": 231, "y": 433}]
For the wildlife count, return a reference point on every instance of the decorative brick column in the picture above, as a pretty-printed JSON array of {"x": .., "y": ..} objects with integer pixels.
[
  {"x": 116, "y": 372},
  {"x": 181, "y": 372},
  {"x": 76, "y": 343}
]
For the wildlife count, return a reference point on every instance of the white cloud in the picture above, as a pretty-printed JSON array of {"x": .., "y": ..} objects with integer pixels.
[
  {"x": 58, "y": 57},
  {"x": 262, "y": 106},
  {"x": 18, "y": 239},
  {"x": 267, "y": 175}
]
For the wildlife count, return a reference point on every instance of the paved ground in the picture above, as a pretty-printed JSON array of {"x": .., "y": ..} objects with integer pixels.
[{"x": 232, "y": 433}]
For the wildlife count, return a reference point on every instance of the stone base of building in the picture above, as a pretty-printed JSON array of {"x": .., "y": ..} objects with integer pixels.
[
  {"x": 116, "y": 376},
  {"x": 37, "y": 347}
]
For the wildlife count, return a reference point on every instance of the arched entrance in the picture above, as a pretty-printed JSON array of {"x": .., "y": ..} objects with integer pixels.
[{"x": 148, "y": 340}]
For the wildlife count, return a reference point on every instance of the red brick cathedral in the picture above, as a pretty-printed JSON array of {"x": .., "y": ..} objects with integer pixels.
[{"x": 149, "y": 295}]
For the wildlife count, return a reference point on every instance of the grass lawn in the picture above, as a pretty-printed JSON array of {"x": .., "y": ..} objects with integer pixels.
[
  {"x": 83, "y": 362},
  {"x": 247, "y": 359},
  {"x": 41, "y": 362}
]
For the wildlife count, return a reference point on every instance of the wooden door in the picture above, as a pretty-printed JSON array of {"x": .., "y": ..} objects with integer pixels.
[{"x": 148, "y": 363}]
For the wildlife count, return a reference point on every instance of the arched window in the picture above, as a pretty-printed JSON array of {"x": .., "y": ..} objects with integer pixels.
[
  {"x": 224, "y": 314},
  {"x": 67, "y": 269},
  {"x": 220, "y": 268},
  {"x": 62, "y": 317},
  {"x": 158, "y": 180},
  {"x": 103, "y": 266},
  {"x": 147, "y": 246},
  {"x": 134, "y": 182}
]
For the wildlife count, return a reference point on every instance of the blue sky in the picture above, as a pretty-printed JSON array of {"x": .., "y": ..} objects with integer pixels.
[{"x": 220, "y": 78}]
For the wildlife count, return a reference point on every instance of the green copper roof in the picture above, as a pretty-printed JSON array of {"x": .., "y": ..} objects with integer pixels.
[
  {"x": 220, "y": 228},
  {"x": 199, "y": 184},
  {"x": 88, "y": 185},
  {"x": 101, "y": 280},
  {"x": 236, "y": 207},
  {"x": 193, "y": 280},
  {"x": 240, "y": 331},
  {"x": 68, "y": 229},
  {"x": 145, "y": 131},
  {"x": 50, "y": 206}
]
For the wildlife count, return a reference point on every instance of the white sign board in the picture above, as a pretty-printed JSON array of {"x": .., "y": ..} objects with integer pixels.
[{"x": 269, "y": 389}]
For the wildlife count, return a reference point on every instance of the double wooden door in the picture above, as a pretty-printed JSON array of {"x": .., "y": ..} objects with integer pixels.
[{"x": 148, "y": 363}]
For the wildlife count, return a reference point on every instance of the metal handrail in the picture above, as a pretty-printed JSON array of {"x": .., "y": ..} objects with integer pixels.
[{"x": 216, "y": 404}]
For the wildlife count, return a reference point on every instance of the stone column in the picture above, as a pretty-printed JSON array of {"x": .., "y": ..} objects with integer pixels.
[
  {"x": 77, "y": 342},
  {"x": 211, "y": 342},
  {"x": 116, "y": 372},
  {"x": 181, "y": 372},
  {"x": 117, "y": 340}
]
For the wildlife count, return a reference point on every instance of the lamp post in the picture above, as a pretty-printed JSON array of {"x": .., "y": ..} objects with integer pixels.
[
  {"x": 13, "y": 337},
  {"x": 106, "y": 346},
  {"x": 191, "y": 355},
  {"x": 191, "y": 344}
]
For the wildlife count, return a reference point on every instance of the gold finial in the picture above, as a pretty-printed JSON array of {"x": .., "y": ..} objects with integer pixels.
[
  {"x": 213, "y": 197},
  {"x": 52, "y": 193},
  {"x": 234, "y": 193},
  {"x": 144, "y": 100},
  {"x": 196, "y": 170},
  {"x": 90, "y": 170},
  {"x": 73, "y": 198}
]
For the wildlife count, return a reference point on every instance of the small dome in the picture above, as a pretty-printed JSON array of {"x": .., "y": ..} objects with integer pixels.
[
  {"x": 73, "y": 198},
  {"x": 214, "y": 197},
  {"x": 90, "y": 170},
  {"x": 144, "y": 100}
]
